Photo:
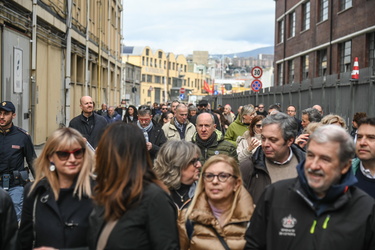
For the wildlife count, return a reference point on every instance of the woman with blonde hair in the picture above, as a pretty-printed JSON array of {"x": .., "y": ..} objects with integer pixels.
[
  {"x": 134, "y": 209},
  {"x": 241, "y": 124},
  {"x": 221, "y": 208},
  {"x": 334, "y": 119},
  {"x": 57, "y": 205},
  {"x": 250, "y": 140}
]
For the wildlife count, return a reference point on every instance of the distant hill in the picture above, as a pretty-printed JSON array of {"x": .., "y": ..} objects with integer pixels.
[{"x": 252, "y": 53}]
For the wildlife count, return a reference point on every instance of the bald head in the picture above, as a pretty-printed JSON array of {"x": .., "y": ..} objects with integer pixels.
[
  {"x": 319, "y": 108},
  {"x": 87, "y": 105}
]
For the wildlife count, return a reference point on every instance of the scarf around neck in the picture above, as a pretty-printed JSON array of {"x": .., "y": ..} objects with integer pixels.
[
  {"x": 146, "y": 129},
  {"x": 208, "y": 142}
]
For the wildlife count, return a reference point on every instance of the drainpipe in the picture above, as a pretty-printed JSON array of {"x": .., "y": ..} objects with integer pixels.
[
  {"x": 99, "y": 53},
  {"x": 87, "y": 47},
  {"x": 109, "y": 51},
  {"x": 68, "y": 61},
  {"x": 33, "y": 67},
  {"x": 116, "y": 55}
]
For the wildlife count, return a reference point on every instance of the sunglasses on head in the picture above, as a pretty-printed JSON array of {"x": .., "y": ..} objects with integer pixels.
[{"x": 64, "y": 155}]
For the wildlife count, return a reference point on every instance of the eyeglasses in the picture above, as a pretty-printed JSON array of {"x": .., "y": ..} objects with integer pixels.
[
  {"x": 64, "y": 155},
  {"x": 222, "y": 177},
  {"x": 258, "y": 125},
  {"x": 164, "y": 108},
  {"x": 194, "y": 162},
  {"x": 261, "y": 107},
  {"x": 144, "y": 120}
]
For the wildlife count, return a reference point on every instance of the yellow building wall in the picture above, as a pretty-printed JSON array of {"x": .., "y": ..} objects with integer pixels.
[{"x": 48, "y": 90}]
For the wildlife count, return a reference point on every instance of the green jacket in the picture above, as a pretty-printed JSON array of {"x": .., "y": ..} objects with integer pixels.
[
  {"x": 235, "y": 129},
  {"x": 355, "y": 165},
  {"x": 220, "y": 146}
]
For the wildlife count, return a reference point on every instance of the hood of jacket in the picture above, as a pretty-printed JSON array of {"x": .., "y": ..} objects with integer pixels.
[{"x": 333, "y": 193}]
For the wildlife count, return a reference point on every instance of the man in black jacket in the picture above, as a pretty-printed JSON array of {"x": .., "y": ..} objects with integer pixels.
[
  {"x": 16, "y": 146},
  {"x": 89, "y": 123},
  {"x": 319, "y": 209},
  {"x": 276, "y": 159},
  {"x": 154, "y": 135}
]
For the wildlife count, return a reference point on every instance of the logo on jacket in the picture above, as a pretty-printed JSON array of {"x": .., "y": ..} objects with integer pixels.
[{"x": 288, "y": 224}]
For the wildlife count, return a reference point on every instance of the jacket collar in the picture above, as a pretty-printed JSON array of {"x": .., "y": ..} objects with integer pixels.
[{"x": 336, "y": 196}]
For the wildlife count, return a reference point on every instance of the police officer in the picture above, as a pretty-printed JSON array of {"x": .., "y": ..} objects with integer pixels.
[{"x": 16, "y": 145}]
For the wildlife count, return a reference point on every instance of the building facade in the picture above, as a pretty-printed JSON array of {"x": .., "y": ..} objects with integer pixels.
[
  {"x": 319, "y": 39},
  {"x": 164, "y": 75},
  {"x": 52, "y": 53}
]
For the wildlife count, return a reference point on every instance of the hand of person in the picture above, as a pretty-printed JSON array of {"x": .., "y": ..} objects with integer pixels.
[
  {"x": 253, "y": 143},
  {"x": 302, "y": 140},
  {"x": 149, "y": 146}
]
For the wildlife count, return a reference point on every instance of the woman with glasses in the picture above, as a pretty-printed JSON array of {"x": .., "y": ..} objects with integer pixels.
[
  {"x": 241, "y": 124},
  {"x": 131, "y": 115},
  {"x": 58, "y": 203},
  {"x": 250, "y": 140},
  {"x": 221, "y": 209},
  {"x": 134, "y": 209}
]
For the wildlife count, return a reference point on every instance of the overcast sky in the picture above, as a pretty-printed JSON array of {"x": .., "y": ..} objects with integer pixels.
[{"x": 182, "y": 26}]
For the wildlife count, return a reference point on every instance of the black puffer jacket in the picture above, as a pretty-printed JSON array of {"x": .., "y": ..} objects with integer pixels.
[{"x": 290, "y": 216}]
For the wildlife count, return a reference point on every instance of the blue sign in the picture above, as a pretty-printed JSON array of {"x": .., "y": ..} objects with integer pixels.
[
  {"x": 182, "y": 96},
  {"x": 215, "y": 92},
  {"x": 256, "y": 85}
]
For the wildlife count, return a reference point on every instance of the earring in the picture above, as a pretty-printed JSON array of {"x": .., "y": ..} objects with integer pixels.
[{"x": 52, "y": 167}]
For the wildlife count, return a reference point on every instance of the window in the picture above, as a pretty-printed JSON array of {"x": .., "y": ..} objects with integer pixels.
[
  {"x": 143, "y": 78},
  {"x": 280, "y": 76},
  {"x": 323, "y": 10},
  {"x": 160, "y": 54},
  {"x": 291, "y": 71},
  {"x": 372, "y": 52},
  {"x": 280, "y": 37},
  {"x": 345, "y": 4},
  {"x": 306, "y": 16},
  {"x": 143, "y": 61},
  {"x": 322, "y": 55},
  {"x": 305, "y": 67},
  {"x": 346, "y": 54},
  {"x": 147, "y": 52},
  {"x": 149, "y": 78},
  {"x": 292, "y": 24},
  {"x": 157, "y": 79}
]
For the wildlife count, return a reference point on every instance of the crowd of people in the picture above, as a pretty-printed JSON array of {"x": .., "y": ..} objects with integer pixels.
[{"x": 180, "y": 176}]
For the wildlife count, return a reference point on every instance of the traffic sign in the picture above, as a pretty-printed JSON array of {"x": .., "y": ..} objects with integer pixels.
[
  {"x": 182, "y": 96},
  {"x": 257, "y": 72},
  {"x": 182, "y": 91},
  {"x": 256, "y": 85}
]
